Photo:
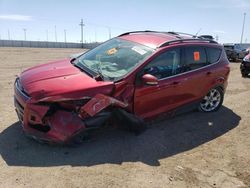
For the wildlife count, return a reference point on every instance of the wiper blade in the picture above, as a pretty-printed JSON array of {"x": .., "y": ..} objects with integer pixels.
[
  {"x": 79, "y": 67},
  {"x": 99, "y": 71}
]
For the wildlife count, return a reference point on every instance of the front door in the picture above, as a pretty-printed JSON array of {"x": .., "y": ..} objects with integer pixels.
[{"x": 152, "y": 100}]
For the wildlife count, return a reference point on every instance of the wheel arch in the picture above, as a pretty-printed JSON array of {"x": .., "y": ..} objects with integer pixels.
[{"x": 218, "y": 83}]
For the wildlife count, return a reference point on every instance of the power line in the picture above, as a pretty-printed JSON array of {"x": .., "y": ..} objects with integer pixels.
[{"x": 44, "y": 19}]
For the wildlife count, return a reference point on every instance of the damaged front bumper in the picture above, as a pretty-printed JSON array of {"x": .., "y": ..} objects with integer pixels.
[
  {"x": 47, "y": 123},
  {"x": 59, "y": 127}
]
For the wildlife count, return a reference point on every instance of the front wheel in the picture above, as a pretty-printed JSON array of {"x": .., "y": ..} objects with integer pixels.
[
  {"x": 212, "y": 101},
  {"x": 244, "y": 73}
]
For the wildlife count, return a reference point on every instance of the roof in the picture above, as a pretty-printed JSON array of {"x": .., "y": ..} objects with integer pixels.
[{"x": 156, "y": 39}]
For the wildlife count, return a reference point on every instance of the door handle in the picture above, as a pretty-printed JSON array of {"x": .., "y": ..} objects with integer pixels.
[
  {"x": 172, "y": 84},
  {"x": 208, "y": 73},
  {"x": 175, "y": 83}
]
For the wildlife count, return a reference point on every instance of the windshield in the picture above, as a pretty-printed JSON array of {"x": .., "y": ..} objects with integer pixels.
[{"x": 114, "y": 59}]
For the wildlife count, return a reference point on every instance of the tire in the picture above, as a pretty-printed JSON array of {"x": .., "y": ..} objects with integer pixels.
[
  {"x": 244, "y": 73},
  {"x": 79, "y": 138},
  {"x": 212, "y": 101}
]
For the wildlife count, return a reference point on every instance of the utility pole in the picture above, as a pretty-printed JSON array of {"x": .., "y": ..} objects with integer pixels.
[
  {"x": 8, "y": 34},
  {"x": 55, "y": 34},
  {"x": 65, "y": 36},
  {"x": 24, "y": 30},
  {"x": 95, "y": 36},
  {"x": 243, "y": 27},
  {"x": 109, "y": 32},
  {"x": 47, "y": 35},
  {"x": 217, "y": 38},
  {"x": 82, "y": 24}
]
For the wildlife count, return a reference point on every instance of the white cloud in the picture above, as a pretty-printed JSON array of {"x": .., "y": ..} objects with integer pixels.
[
  {"x": 240, "y": 4},
  {"x": 15, "y": 17}
]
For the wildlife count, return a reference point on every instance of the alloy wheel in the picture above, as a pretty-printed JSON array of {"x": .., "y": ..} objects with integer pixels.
[{"x": 211, "y": 101}]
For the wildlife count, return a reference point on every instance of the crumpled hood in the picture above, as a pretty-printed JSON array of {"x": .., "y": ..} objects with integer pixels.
[{"x": 61, "y": 80}]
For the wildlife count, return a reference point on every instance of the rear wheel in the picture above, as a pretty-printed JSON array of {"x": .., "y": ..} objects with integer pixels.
[{"x": 212, "y": 101}]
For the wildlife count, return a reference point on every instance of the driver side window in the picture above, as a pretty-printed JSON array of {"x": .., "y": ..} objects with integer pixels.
[{"x": 165, "y": 65}]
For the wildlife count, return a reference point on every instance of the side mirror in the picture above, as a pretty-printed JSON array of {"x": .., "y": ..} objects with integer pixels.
[{"x": 149, "y": 79}]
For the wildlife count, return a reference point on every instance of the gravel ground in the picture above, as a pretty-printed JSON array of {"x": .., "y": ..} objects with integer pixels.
[{"x": 190, "y": 150}]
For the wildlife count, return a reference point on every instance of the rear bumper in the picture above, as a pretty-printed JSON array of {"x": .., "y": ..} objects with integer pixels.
[{"x": 61, "y": 127}]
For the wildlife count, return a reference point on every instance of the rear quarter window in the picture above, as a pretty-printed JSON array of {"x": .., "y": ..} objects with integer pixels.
[
  {"x": 195, "y": 57},
  {"x": 213, "y": 55}
]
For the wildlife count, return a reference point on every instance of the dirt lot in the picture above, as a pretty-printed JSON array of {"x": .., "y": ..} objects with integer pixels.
[{"x": 191, "y": 150}]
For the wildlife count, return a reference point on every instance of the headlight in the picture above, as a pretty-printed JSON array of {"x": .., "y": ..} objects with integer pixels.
[
  {"x": 246, "y": 59},
  {"x": 19, "y": 87}
]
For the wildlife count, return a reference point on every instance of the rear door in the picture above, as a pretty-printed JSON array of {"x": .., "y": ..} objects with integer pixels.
[
  {"x": 195, "y": 73},
  {"x": 181, "y": 81},
  {"x": 199, "y": 72}
]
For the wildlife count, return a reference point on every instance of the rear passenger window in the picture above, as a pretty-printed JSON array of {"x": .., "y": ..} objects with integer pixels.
[
  {"x": 213, "y": 54},
  {"x": 195, "y": 57}
]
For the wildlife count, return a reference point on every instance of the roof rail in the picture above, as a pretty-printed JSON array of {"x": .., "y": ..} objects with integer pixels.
[
  {"x": 194, "y": 36},
  {"x": 187, "y": 40},
  {"x": 127, "y": 33},
  {"x": 178, "y": 36}
]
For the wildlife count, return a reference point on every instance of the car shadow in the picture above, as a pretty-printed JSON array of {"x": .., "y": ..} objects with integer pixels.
[
  {"x": 161, "y": 140},
  {"x": 248, "y": 76},
  {"x": 235, "y": 61}
]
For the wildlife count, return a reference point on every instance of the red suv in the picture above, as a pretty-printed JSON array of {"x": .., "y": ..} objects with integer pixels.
[{"x": 138, "y": 75}]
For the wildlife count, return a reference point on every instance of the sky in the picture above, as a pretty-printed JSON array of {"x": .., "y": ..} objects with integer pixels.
[{"x": 58, "y": 20}]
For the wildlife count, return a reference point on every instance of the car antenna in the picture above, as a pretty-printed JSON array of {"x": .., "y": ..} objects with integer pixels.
[{"x": 198, "y": 32}]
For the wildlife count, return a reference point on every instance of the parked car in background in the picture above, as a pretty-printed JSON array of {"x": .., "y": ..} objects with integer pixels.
[
  {"x": 248, "y": 50},
  {"x": 235, "y": 51},
  {"x": 245, "y": 66},
  {"x": 130, "y": 78}
]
